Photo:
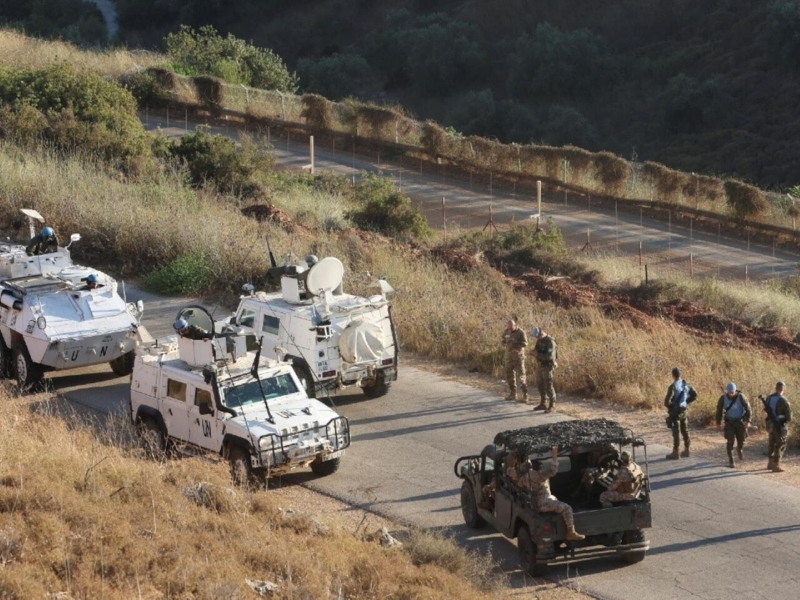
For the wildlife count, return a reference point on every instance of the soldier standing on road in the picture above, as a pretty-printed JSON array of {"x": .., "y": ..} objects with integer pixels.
[
  {"x": 546, "y": 354},
  {"x": 626, "y": 484},
  {"x": 779, "y": 413},
  {"x": 736, "y": 409},
  {"x": 43, "y": 242},
  {"x": 515, "y": 341},
  {"x": 537, "y": 481},
  {"x": 676, "y": 403}
]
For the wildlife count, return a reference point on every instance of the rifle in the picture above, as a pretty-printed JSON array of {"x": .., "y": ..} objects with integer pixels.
[{"x": 771, "y": 414}]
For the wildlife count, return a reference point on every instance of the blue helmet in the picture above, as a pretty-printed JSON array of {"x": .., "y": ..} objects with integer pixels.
[
  {"x": 730, "y": 388},
  {"x": 47, "y": 232},
  {"x": 92, "y": 278},
  {"x": 180, "y": 324}
]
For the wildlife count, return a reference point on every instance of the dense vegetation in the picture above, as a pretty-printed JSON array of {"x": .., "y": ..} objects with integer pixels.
[
  {"x": 78, "y": 21},
  {"x": 709, "y": 87}
]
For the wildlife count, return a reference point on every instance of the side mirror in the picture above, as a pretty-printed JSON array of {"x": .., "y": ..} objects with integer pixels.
[
  {"x": 140, "y": 306},
  {"x": 75, "y": 237},
  {"x": 205, "y": 409}
]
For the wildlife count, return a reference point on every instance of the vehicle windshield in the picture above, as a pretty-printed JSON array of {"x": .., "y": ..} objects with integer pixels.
[{"x": 248, "y": 393}]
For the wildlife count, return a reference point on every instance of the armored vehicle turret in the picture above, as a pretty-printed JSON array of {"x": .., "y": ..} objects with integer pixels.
[
  {"x": 57, "y": 315},
  {"x": 215, "y": 395},
  {"x": 333, "y": 339}
]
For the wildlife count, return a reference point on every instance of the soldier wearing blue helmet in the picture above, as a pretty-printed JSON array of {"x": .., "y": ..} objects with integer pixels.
[
  {"x": 193, "y": 332},
  {"x": 92, "y": 282},
  {"x": 43, "y": 243}
]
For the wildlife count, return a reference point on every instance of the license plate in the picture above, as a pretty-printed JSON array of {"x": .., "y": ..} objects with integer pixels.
[{"x": 333, "y": 455}]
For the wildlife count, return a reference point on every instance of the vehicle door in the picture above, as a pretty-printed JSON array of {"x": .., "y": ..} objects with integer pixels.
[
  {"x": 246, "y": 317},
  {"x": 271, "y": 333},
  {"x": 173, "y": 406},
  {"x": 204, "y": 426}
]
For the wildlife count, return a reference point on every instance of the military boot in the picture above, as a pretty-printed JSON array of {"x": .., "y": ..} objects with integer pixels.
[
  {"x": 573, "y": 535},
  {"x": 542, "y": 406},
  {"x": 731, "y": 462},
  {"x": 685, "y": 453},
  {"x": 512, "y": 397},
  {"x": 740, "y": 453},
  {"x": 524, "y": 396},
  {"x": 776, "y": 467},
  {"x": 674, "y": 455},
  {"x": 770, "y": 463}
]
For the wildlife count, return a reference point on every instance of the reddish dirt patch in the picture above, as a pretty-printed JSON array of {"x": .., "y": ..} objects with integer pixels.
[
  {"x": 269, "y": 213},
  {"x": 641, "y": 312}
]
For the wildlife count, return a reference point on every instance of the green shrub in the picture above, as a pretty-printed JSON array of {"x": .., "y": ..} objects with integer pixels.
[
  {"x": 215, "y": 159},
  {"x": 387, "y": 210},
  {"x": 74, "y": 111},
  {"x": 337, "y": 76},
  {"x": 147, "y": 88},
  {"x": 184, "y": 276},
  {"x": 205, "y": 52}
]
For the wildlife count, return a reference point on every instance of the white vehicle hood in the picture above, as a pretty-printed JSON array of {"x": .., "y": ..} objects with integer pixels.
[
  {"x": 292, "y": 415},
  {"x": 71, "y": 314}
]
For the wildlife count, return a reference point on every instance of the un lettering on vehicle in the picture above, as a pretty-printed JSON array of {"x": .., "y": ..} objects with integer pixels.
[{"x": 206, "y": 428}]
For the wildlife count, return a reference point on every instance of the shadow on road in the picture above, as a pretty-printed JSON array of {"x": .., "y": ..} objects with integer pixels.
[{"x": 740, "y": 535}]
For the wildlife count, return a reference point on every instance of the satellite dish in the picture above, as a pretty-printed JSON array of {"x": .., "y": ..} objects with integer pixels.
[
  {"x": 29, "y": 212},
  {"x": 327, "y": 274}
]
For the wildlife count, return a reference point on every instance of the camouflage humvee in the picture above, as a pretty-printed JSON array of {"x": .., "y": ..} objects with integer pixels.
[{"x": 588, "y": 460}]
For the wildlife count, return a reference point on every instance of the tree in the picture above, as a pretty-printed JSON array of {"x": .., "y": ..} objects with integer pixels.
[
  {"x": 205, "y": 52},
  {"x": 556, "y": 64},
  {"x": 691, "y": 105},
  {"x": 337, "y": 76},
  {"x": 784, "y": 29}
]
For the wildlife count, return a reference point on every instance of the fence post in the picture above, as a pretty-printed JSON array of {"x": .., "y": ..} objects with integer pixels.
[
  {"x": 539, "y": 197},
  {"x": 311, "y": 152},
  {"x": 186, "y": 119},
  {"x": 745, "y": 274},
  {"x": 691, "y": 265},
  {"x": 396, "y": 132},
  {"x": 640, "y": 253},
  {"x": 444, "y": 220},
  {"x": 646, "y": 276}
]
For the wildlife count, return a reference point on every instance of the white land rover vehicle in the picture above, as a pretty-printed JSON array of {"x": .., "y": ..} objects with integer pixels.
[
  {"x": 333, "y": 339},
  {"x": 215, "y": 395},
  {"x": 51, "y": 320}
]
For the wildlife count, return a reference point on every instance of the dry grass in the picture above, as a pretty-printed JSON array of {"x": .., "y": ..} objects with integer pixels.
[
  {"x": 82, "y": 512},
  {"x": 757, "y": 304},
  {"x": 451, "y": 315},
  {"x": 28, "y": 52}
]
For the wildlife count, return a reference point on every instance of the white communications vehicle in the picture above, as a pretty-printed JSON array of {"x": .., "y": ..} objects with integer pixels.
[
  {"x": 333, "y": 339},
  {"x": 213, "y": 395},
  {"x": 50, "y": 320}
]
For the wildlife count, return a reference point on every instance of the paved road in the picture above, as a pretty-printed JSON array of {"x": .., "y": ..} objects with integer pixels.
[
  {"x": 468, "y": 206},
  {"x": 717, "y": 533}
]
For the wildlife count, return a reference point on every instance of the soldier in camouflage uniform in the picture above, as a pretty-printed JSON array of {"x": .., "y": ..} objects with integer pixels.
[
  {"x": 515, "y": 341},
  {"x": 546, "y": 354},
  {"x": 736, "y": 408},
  {"x": 626, "y": 484},
  {"x": 778, "y": 409},
  {"x": 193, "y": 332},
  {"x": 676, "y": 404},
  {"x": 537, "y": 481}
]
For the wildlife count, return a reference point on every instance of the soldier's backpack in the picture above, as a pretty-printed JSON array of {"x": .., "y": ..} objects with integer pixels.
[{"x": 691, "y": 394}]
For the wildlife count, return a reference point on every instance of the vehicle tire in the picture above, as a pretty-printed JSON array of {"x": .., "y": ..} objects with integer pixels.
[
  {"x": 323, "y": 468},
  {"x": 28, "y": 374},
  {"x": 304, "y": 375},
  {"x": 527, "y": 553},
  {"x": 6, "y": 361},
  {"x": 636, "y": 556},
  {"x": 241, "y": 468},
  {"x": 379, "y": 388},
  {"x": 153, "y": 438},
  {"x": 469, "y": 507},
  {"x": 123, "y": 365}
]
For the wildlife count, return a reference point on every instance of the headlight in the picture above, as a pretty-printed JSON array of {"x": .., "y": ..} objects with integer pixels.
[
  {"x": 264, "y": 443},
  {"x": 41, "y": 322}
]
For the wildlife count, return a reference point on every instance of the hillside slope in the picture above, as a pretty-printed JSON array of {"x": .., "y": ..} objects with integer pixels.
[{"x": 709, "y": 87}]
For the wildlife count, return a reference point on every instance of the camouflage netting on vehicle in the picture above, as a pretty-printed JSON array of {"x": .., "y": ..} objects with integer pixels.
[{"x": 540, "y": 438}]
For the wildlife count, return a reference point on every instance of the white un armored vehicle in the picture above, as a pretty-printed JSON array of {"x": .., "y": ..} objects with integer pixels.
[
  {"x": 51, "y": 320},
  {"x": 214, "y": 395},
  {"x": 333, "y": 339}
]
